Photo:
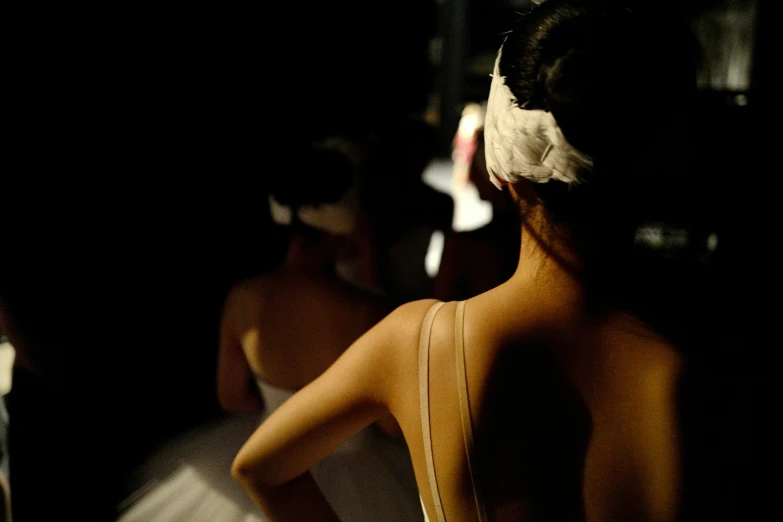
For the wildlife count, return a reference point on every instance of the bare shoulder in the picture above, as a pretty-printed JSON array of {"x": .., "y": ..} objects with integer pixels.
[
  {"x": 405, "y": 321},
  {"x": 247, "y": 287},
  {"x": 386, "y": 344},
  {"x": 397, "y": 336},
  {"x": 244, "y": 296},
  {"x": 374, "y": 367}
]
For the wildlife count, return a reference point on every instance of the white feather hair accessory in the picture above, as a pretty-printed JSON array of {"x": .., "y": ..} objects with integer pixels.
[{"x": 522, "y": 143}]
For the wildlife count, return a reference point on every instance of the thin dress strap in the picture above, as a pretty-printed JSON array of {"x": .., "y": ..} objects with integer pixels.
[
  {"x": 464, "y": 403},
  {"x": 424, "y": 398}
]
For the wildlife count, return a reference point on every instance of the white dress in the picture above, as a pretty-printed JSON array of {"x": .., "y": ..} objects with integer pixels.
[{"x": 369, "y": 478}]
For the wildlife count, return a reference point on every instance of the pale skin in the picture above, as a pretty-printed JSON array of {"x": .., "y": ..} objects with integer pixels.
[{"x": 574, "y": 415}]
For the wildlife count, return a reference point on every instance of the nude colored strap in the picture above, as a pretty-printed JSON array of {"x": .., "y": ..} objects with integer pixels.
[
  {"x": 464, "y": 408},
  {"x": 424, "y": 398}
]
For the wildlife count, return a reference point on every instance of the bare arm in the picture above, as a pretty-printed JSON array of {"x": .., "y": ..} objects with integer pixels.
[
  {"x": 354, "y": 392},
  {"x": 236, "y": 389}
]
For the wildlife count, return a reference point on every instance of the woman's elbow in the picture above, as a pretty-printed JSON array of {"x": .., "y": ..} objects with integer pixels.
[
  {"x": 252, "y": 472},
  {"x": 229, "y": 404},
  {"x": 246, "y": 472},
  {"x": 248, "y": 468},
  {"x": 240, "y": 470},
  {"x": 226, "y": 402},
  {"x": 240, "y": 402}
]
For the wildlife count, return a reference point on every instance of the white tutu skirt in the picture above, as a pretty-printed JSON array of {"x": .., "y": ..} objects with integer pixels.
[{"x": 367, "y": 479}]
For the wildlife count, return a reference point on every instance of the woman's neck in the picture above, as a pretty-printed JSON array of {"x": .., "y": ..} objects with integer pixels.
[
  {"x": 308, "y": 267},
  {"x": 303, "y": 258},
  {"x": 548, "y": 278},
  {"x": 547, "y": 269}
]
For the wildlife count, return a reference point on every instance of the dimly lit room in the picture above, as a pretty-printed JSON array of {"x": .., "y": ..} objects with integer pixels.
[{"x": 429, "y": 260}]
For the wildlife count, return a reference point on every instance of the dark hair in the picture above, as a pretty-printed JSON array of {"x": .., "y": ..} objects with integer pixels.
[
  {"x": 618, "y": 78},
  {"x": 321, "y": 176}
]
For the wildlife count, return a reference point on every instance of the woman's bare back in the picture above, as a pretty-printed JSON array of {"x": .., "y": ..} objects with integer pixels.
[
  {"x": 293, "y": 326},
  {"x": 577, "y": 425}
]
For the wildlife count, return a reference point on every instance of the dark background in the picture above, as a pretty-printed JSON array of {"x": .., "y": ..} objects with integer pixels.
[{"x": 142, "y": 143}]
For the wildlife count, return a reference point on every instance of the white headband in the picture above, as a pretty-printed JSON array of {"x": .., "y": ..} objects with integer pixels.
[
  {"x": 522, "y": 143},
  {"x": 335, "y": 218}
]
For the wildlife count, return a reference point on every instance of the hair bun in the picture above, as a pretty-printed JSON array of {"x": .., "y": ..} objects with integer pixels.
[{"x": 320, "y": 176}]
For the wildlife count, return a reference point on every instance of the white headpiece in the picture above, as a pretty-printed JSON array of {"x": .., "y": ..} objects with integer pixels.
[
  {"x": 336, "y": 218},
  {"x": 522, "y": 143}
]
